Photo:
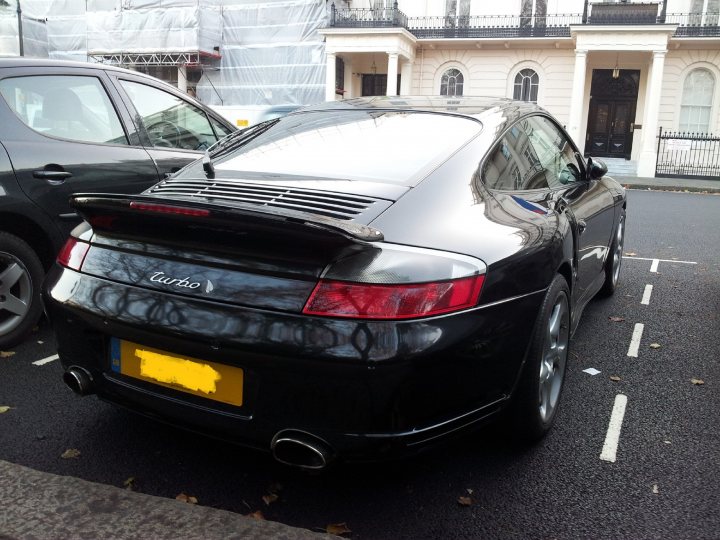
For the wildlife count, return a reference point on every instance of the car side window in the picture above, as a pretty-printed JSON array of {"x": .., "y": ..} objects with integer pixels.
[
  {"x": 555, "y": 153},
  {"x": 513, "y": 165},
  {"x": 170, "y": 121},
  {"x": 220, "y": 129},
  {"x": 71, "y": 107}
]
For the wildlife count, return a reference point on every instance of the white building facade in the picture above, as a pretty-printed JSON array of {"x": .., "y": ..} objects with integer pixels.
[{"x": 614, "y": 73}]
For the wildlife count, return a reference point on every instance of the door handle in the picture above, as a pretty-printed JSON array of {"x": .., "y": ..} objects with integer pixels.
[
  {"x": 582, "y": 225},
  {"x": 53, "y": 177}
]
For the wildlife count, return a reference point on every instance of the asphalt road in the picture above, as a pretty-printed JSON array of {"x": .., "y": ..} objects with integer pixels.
[{"x": 661, "y": 484}]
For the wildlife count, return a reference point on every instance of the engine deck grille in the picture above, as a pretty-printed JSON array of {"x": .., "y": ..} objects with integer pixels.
[{"x": 325, "y": 203}]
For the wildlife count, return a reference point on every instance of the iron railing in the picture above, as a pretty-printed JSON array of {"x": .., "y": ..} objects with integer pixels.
[
  {"x": 688, "y": 155},
  {"x": 514, "y": 26}
]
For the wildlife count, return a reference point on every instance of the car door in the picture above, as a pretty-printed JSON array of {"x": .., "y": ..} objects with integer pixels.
[
  {"x": 588, "y": 201},
  {"x": 66, "y": 134},
  {"x": 175, "y": 130}
]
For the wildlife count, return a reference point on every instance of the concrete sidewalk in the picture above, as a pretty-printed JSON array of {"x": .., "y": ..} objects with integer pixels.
[
  {"x": 669, "y": 184},
  {"x": 36, "y": 505}
]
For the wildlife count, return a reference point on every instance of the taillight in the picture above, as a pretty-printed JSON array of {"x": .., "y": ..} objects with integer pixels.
[
  {"x": 73, "y": 253},
  {"x": 169, "y": 209},
  {"x": 400, "y": 301},
  {"x": 386, "y": 281}
]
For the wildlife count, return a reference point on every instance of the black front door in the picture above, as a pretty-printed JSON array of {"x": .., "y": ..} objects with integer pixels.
[{"x": 612, "y": 113}]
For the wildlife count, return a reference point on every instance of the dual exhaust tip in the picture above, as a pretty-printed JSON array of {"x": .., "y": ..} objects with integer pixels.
[{"x": 291, "y": 446}]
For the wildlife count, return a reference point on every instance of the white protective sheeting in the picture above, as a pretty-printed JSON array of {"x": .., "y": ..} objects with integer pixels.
[
  {"x": 272, "y": 54},
  {"x": 34, "y": 28}
]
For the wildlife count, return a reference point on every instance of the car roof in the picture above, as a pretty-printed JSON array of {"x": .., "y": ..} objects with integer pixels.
[
  {"x": 492, "y": 110},
  {"x": 25, "y": 61}
]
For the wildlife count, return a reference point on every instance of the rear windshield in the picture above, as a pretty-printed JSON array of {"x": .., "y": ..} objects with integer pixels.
[{"x": 382, "y": 146}]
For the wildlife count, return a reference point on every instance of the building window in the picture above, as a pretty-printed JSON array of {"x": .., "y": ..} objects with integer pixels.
[
  {"x": 451, "y": 83},
  {"x": 526, "y": 85},
  {"x": 697, "y": 99}
]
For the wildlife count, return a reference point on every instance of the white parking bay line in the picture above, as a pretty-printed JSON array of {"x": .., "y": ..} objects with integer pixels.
[
  {"x": 635, "y": 340},
  {"x": 612, "y": 439},
  {"x": 646, "y": 295},
  {"x": 654, "y": 265},
  {"x": 46, "y": 360},
  {"x": 629, "y": 258}
]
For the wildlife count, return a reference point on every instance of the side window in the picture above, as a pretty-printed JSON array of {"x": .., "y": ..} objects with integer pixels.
[
  {"x": 170, "y": 121},
  {"x": 554, "y": 152},
  {"x": 220, "y": 129},
  {"x": 66, "y": 106},
  {"x": 514, "y": 164}
]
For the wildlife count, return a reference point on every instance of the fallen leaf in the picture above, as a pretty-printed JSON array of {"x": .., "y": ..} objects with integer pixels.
[
  {"x": 655, "y": 489},
  {"x": 257, "y": 514},
  {"x": 186, "y": 499},
  {"x": 470, "y": 491},
  {"x": 269, "y": 499},
  {"x": 7, "y": 354},
  {"x": 464, "y": 501},
  {"x": 4, "y": 408},
  {"x": 616, "y": 319},
  {"x": 337, "y": 528},
  {"x": 630, "y": 253},
  {"x": 667, "y": 442},
  {"x": 70, "y": 453},
  {"x": 696, "y": 382},
  {"x": 591, "y": 371},
  {"x": 129, "y": 483},
  {"x": 655, "y": 345},
  {"x": 615, "y": 378}
]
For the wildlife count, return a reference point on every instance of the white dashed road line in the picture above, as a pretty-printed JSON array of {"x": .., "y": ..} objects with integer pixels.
[
  {"x": 612, "y": 439},
  {"x": 654, "y": 265},
  {"x": 635, "y": 340},
  {"x": 646, "y": 295},
  {"x": 46, "y": 360},
  {"x": 656, "y": 262}
]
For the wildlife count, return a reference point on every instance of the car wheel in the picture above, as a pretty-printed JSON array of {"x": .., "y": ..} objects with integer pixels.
[
  {"x": 21, "y": 274},
  {"x": 614, "y": 259},
  {"x": 538, "y": 393}
]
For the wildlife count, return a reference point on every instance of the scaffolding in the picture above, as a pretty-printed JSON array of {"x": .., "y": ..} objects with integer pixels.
[{"x": 231, "y": 52}]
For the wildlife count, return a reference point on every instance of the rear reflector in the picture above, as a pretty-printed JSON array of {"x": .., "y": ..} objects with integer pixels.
[
  {"x": 73, "y": 253},
  {"x": 402, "y": 301},
  {"x": 169, "y": 209}
]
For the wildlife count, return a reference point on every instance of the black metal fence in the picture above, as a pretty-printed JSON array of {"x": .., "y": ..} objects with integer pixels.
[
  {"x": 688, "y": 155},
  {"x": 514, "y": 26}
]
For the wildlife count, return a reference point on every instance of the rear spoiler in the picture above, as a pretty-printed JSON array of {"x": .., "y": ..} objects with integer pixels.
[{"x": 99, "y": 209}]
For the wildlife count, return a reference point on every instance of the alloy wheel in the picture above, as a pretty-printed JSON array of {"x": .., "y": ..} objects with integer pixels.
[
  {"x": 16, "y": 291},
  {"x": 617, "y": 254},
  {"x": 554, "y": 358}
]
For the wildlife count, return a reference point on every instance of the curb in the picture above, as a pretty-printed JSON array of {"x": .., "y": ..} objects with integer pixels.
[{"x": 43, "y": 505}]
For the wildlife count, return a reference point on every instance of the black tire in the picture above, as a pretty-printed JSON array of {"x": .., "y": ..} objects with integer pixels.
[
  {"x": 537, "y": 395},
  {"x": 21, "y": 275},
  {"x": 613, "y": 263}
]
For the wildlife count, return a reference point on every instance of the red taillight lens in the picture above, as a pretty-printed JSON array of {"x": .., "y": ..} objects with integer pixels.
[
  {"x": 73, "y": 253},
  {"x": 169, "y": 209},
  {"x": 403, "y": 301}
]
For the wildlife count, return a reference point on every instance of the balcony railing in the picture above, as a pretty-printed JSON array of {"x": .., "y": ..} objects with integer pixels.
[{"x": 518, "y": 26}]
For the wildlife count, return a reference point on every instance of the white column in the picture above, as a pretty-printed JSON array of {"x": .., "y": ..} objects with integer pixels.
[
  {"x": 578, "y": 97},
  {"x": 648, "y": 156},
  {"x": 406, "y": 73},
  {"x": 392, "y": 73},
  {"x": 330, "y": 77},
  {"x": 182, "y": 78},
  {"x": 347, "y": 80}
]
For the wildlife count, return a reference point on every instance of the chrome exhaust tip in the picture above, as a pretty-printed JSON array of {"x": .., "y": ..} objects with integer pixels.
[
  {"x": 301, "y": 449},
  {"x": 79, "y": 380}
]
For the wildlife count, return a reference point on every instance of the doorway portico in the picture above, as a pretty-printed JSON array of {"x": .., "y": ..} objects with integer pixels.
[
  {"x": 616, "y": 91},
  {"x": 369, "y": 56}
]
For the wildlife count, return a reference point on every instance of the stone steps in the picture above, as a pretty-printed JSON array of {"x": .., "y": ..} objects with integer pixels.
[{"x": 620, "y": 166}]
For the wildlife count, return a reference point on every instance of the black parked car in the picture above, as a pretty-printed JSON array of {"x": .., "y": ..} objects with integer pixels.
[
  {"x": 353, "y": 280},
  {"x": 68, "y": 127}
]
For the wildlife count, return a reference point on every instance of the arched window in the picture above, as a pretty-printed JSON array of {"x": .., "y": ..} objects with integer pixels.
[
  {"x": 696, "y": 104},
  {"x": 526, "y": 85},
  {"x": 451, "y": 83}
]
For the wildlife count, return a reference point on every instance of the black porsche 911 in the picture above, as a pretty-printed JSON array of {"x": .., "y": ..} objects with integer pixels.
[{"x": 354, "y": 280}]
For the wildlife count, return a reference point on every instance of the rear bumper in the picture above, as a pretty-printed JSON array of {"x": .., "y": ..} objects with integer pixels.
[{"x": 369, "y": 389}]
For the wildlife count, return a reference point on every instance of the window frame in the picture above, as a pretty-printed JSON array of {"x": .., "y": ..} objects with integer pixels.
[
  {"x": 711, "y": 108},
  {"x": 443, "y": 69},
  {"x": 538, "y": 69}
]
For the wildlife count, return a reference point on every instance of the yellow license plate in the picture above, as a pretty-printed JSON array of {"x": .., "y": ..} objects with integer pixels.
[{"x": 211, "y": 380}]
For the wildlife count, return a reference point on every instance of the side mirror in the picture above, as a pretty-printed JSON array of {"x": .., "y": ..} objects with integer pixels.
[{"x": 596, "y": 169}]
